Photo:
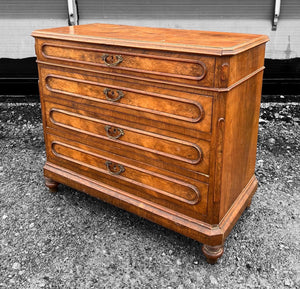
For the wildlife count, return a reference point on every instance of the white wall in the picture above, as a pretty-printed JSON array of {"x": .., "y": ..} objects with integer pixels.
[
  {"x": 19, "y": 18},
  {"x": 15, "y": 38},
  {"x": 284, "y": 43}
]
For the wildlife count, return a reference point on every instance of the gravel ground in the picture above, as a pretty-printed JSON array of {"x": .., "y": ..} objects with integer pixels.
[{"x": 71, "y": 240}]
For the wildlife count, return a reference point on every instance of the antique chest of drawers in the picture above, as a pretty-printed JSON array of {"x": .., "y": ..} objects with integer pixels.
[{"x": 160, "y": 122}]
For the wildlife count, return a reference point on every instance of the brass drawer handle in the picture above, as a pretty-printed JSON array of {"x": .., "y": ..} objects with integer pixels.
[
  {"x": 113, "y": 168},
  {"x": 110, "y": 94},
  {"x": 111, "y": 60},
  {"x": 114, "y": 132}
]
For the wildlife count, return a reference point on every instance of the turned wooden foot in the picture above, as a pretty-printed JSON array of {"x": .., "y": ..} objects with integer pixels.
[
  {"x": 212, "y": 253},
  {"x": 51, "y": 184}
]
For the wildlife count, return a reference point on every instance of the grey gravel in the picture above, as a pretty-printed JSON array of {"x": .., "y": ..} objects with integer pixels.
[{"x": 71, "y": 240}]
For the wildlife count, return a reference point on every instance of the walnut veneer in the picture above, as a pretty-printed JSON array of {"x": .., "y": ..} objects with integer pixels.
[{"x": 160, "y": 122}]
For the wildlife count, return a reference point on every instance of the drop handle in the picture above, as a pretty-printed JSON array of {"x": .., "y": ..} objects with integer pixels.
[
  {"x": 112, "y": 95},
  {"x": 114, "y": 168},
  {"x": 112, "y": 60},
  {"x": 114, "y": 132}
]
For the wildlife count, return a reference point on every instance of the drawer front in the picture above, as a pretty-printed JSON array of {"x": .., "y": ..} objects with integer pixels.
[
  {"x": 183, "y": 195},
  {"x": 164, "y": 152},
  {"x": 161, "y": 66},
  {"x": 179, "y": 110}
]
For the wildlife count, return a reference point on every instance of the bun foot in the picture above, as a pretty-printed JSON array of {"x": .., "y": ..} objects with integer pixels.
[
  {"x": 51, "y": 184},
  {"x": 212, "y": 253}
]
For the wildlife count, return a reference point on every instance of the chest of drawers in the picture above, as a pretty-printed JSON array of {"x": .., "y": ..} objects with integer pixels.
[{"x": 160, "y": 122}]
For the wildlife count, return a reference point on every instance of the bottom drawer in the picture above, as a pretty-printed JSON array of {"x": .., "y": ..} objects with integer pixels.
[{"x": 181, "y": 194}]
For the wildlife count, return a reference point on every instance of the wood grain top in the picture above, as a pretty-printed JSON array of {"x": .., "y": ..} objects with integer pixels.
[{"x": 204, "y": 42}]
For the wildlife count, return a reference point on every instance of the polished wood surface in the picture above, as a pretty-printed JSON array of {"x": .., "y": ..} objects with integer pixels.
[
  {"x": 155, "y": 108},
  {"x": 160, "y": 122},
  {"x": 165, "y": 66},
  {"x": 212, "y": 43},
  {"x": 135, "y": 144}
]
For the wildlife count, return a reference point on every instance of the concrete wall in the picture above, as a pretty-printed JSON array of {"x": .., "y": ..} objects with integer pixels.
[{"x": 18, "y": 18}]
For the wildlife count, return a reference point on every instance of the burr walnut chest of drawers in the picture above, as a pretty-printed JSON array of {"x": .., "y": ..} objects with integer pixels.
[{"x": 160, "y": 122}]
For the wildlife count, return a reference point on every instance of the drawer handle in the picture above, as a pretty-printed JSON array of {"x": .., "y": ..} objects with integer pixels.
[
  {"x": 110, "y": 94},
  {"x": 111, "y": 60},
  {"x": 114, "y": 132},
  {"x": 113, "y": 168}
]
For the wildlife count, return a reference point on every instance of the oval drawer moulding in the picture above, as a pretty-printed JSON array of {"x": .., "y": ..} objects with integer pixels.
[
  {"x": 125, "y": 61},
  {"x": 166, "y": 105},
  {"x": 169, "y": 187}
]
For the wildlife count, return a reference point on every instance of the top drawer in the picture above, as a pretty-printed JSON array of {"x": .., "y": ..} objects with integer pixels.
[{"x": 162, "y": 66}]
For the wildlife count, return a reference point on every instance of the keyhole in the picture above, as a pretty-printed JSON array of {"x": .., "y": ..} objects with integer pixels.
[{"x": 112, "y": 59}]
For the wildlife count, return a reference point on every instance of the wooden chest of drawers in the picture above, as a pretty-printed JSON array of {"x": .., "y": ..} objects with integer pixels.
[{"x": 160, "y": 122}]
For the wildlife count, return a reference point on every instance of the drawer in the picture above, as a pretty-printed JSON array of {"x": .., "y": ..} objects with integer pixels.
[
  {"x": 162, "y": 66},
  {"x": 180, "y": 194},
  {"x": 164, "y": 152},
  {"x": 179, "y": 110}
]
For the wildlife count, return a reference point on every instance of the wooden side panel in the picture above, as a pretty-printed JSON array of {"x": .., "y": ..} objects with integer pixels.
[
  {"x": 232, "y": 69},
  {"x": 240, "y": 139},
  {"x": 245, "y": 63}
]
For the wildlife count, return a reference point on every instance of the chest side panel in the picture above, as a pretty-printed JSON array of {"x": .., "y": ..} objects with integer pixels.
[{"x": 240, "y": 139}]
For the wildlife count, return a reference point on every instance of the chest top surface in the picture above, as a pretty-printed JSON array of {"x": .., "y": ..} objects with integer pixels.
[{"x": 204, "y": 42}]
